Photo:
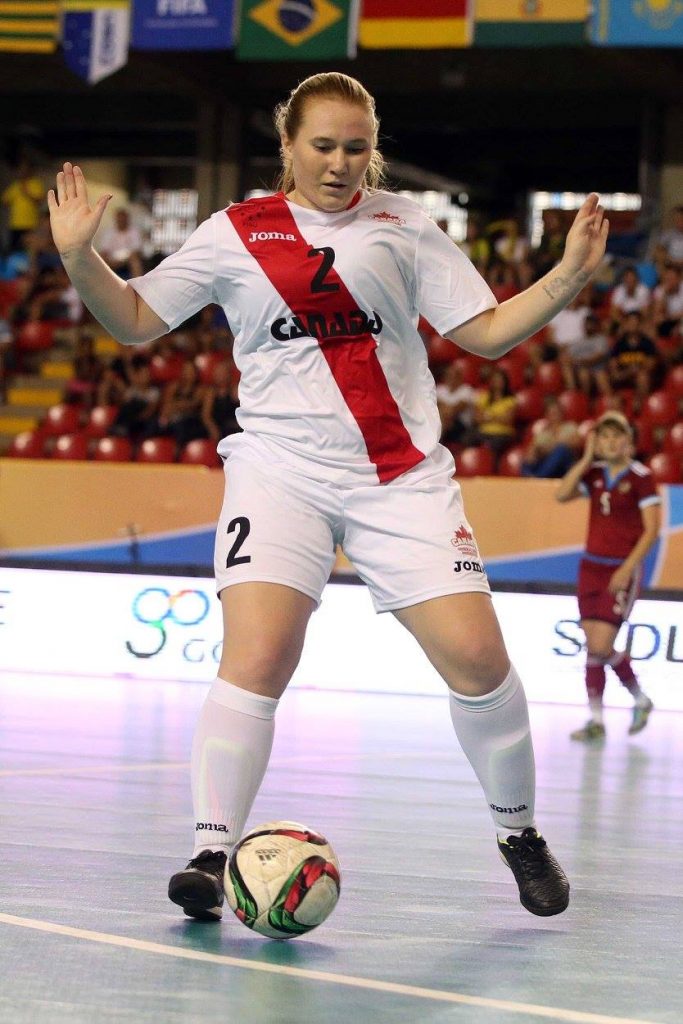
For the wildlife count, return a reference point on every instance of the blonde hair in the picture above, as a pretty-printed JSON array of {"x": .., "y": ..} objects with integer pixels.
[{"x": 289, "y": 116}]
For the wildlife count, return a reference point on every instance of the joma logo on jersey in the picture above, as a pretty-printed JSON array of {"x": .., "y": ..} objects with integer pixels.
[
  {"x": 317, "y": 325},
  {"x": 271, "y": 236}
]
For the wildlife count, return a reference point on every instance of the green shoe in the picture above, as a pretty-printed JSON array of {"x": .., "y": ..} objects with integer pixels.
[
  {"x": 590, "y": 732},
  {"x": 640, "y": 717}
]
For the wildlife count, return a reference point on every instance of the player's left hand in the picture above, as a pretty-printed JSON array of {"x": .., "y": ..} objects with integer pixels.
[
  {"x": 619, "y": 580},
  {"x": 586, "y": 239}
]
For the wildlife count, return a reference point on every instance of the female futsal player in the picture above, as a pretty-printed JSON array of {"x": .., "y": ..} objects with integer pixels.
[{"x": 322, "y": 284}]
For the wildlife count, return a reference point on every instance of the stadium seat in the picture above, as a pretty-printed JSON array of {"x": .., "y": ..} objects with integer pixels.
[
  {"x": 113, "y": 449},
  {"x": 35, "y": 336},
  {"x": 673, "y": 441},
  {"x": 469, "y": 367},
  {"x": 201, "y": 452},
  {"x": 529, "y": 404},
  {"x": 514, "y": 369},
  {"x": 660, "y": 408},
  {"x": 440, "y": 350},
  {"x": 511, "y": 462},
  {"x": 70, "y": 446},
  {"x": 666, "y": 468},
  {"x": 206, "y": 363},
  {"x": 549, "y": 378},
  {"x": 61, "y": 419},
  {"x": 100, "y": 420},
  {"x": 574, "y": 405},
  {"x": 164, "y": 369},
  {"x": 475, "y": 461},
  {"x": 29, "y": 444},
  {"x": 156, "y": 449},
  {"x": 606, "y": 403},
  {"x": 674, "y": 380},
  {"x": 646, "y": 443}
]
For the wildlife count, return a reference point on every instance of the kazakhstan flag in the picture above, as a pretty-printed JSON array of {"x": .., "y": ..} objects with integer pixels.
[{"x": 637, "y": 23}]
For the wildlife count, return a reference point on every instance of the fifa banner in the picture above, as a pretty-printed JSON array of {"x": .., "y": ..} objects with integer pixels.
[
  {"x": 297, "y": 29},
  {"x": 530, "y": 22},
  {"x": 406, "y": 25},
  {"x": 95, "y": 37},
  {"x": 637, "y": 23},
  {"x": 29, "y": 26},
  {"x": 170, "y": 628},
  {"x": 183, "y": 25}
]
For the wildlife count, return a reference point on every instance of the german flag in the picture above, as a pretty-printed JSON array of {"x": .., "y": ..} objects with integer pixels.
[
  {"x": 407, "y": 25},
  {"x": 28, "y": 26}
]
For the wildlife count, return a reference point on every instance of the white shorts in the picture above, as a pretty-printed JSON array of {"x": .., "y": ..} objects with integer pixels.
[{"x": 408, "y": 540}]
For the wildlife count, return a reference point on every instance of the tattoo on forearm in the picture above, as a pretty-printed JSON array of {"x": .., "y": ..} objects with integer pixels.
[{"x": 561, "y": 287}]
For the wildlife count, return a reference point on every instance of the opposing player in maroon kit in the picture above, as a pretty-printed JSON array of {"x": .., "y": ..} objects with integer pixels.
[
  {"x": 624, "y": 523},
  {"x": 323, "y": 284}
]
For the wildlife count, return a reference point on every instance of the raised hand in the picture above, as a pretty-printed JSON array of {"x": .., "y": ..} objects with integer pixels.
[
  {"x": 586, "y": 239},
  {"x": 73, "y": 221}
]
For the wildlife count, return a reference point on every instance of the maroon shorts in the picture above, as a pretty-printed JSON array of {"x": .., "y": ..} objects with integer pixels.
[{"x": 595, "y": 600}]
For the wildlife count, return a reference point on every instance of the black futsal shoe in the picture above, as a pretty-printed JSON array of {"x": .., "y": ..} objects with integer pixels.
[
  {"x": 199, "y": 888},
  {"x": 543, "y": 885}
]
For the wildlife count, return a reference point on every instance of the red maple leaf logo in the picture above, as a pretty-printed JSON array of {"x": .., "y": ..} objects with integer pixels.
[
  {"x": 387, "y": 218},
  {"x": 462, "y": 536}
]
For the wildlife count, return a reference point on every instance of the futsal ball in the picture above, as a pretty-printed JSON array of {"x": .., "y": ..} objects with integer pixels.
[{"x": 282, "y": 879}]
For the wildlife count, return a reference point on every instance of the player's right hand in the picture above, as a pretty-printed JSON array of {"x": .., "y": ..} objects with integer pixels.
[{"x": 73, "y": 221}]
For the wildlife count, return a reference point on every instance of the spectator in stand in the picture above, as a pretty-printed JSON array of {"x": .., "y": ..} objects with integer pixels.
[
  {"x": 121, "y": 246},
  {"x": 23, "y": 198},
  {"x": 494, "y": 415},
  {"x": 551, "y": 249},
  {"x": 630, "y": 296},
  {"x": 668, "y": 302},
  {"x": 139, "y": 403},
  {"x": 220, "y": 404},
  {"x": 476, "y": 246},
  {"x": 180, "y": 413},
  {"x": 553, "y": 447},
  {"x": 670, "y": 242},
  {"x": 634, "y": 359},
  {"x": 584, "y": 361},
  {"x": 455, "y": 401},
  {"x": 87, "y": 372},
  {"x": 503, "y": 279},
  {"x": 509, "y": 242},
  {"x": 564, "y": 330}
]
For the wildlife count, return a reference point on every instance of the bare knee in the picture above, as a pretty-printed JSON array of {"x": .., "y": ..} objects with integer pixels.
[{"x": 262, "y": 668}]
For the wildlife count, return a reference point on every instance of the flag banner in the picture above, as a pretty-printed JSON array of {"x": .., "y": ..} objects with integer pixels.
[
  {"x": 95, "y": 37},
  {"x": 183, "y": 25},
  {"x": 637, "y": 23},
  {"x": 530, "y": 22},
  {"x": 297, "y": 29},
  {"x": 29, "y": 26},
  {"x": 407, "y": 25}
]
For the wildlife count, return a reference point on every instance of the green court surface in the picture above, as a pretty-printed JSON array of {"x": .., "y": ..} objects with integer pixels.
[{"x": 95, "y": 810}]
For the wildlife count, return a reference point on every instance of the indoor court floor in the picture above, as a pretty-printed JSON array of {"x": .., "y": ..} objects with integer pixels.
[{"x": 95, "y": 810}]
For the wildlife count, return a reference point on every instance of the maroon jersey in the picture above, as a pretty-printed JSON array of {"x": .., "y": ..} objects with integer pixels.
[{"x": 615, "y": 522}]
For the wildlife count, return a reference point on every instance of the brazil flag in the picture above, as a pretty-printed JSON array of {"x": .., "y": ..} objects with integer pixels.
[{"x": 297, "y": 29}]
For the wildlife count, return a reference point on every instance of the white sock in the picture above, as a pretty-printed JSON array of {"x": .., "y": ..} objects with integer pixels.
[
  {"x": 494, "y": 734},
  {"x": 595, "y": 705},
  {"x": 230, "y": 752}
]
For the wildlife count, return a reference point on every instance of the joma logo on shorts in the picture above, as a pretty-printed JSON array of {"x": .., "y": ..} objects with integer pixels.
[
  {"x": 508, "y": 810},
  {"x": 468, "y": 566},
  {"x": 210, "y": 827},
  {"x": 271, "y": 236}
]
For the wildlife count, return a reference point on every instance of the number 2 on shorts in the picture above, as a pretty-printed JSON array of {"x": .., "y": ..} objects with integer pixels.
[{"x": 243, "y": 526}]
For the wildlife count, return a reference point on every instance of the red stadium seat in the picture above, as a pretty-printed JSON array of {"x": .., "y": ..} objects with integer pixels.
[
  {"x": 164, "y": 369},
  {"x": 666, "y": 468},
  {"x": 673, "y": 442},
  {"x": 29, "y": 444},
  {"x": 100, "y": 420},
  {"x": 511, "y": 462},
  {"x": 36, "y": 335},
  {"x": 201, "y": 453},
  {"x": 156, "y": 449},
  {"x": 646, "y": 442},
  {"x": 475, "y": 461},
  {"x": 574, "y": 405},
  {"x": 10, "y": 294},
  {"x": 513, "y": 368},
  {"x": 113, "y": 449},
  {"x": 606, "y": 403},
  {"x": 469, "y": 367},
  {"x": 674, "y": 380},
  {"x": 549, "y": 378},
  {"x": 440, "y": 350},
  {"x": 206, "y": 363},
  {"x": 660, "y": 408},
  {"x": 70, "y": 446},
  {"x": 529, "y": 404},
  {"x": 61, "y": 419}
]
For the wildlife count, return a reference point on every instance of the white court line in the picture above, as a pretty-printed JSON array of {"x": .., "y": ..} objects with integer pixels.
[{"x": 435, "y": 995}]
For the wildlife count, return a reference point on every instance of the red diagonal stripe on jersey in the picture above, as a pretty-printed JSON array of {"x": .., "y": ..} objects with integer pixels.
[{"x": 352, "y": 358}]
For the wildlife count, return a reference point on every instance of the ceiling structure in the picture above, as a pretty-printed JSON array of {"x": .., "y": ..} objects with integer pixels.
[{"x": 493, "y": 122}]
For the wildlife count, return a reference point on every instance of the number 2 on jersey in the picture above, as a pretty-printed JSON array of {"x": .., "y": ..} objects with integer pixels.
[{"x": 319, "y": 284}]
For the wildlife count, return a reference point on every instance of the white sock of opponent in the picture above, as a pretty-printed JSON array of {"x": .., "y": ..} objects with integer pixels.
[
  {"x": 230, "y": 752},
  {"x": 494, "y": 734}
]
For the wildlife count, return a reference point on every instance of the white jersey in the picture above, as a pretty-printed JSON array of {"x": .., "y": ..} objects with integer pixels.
[{"x": 324, "y": 308}]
